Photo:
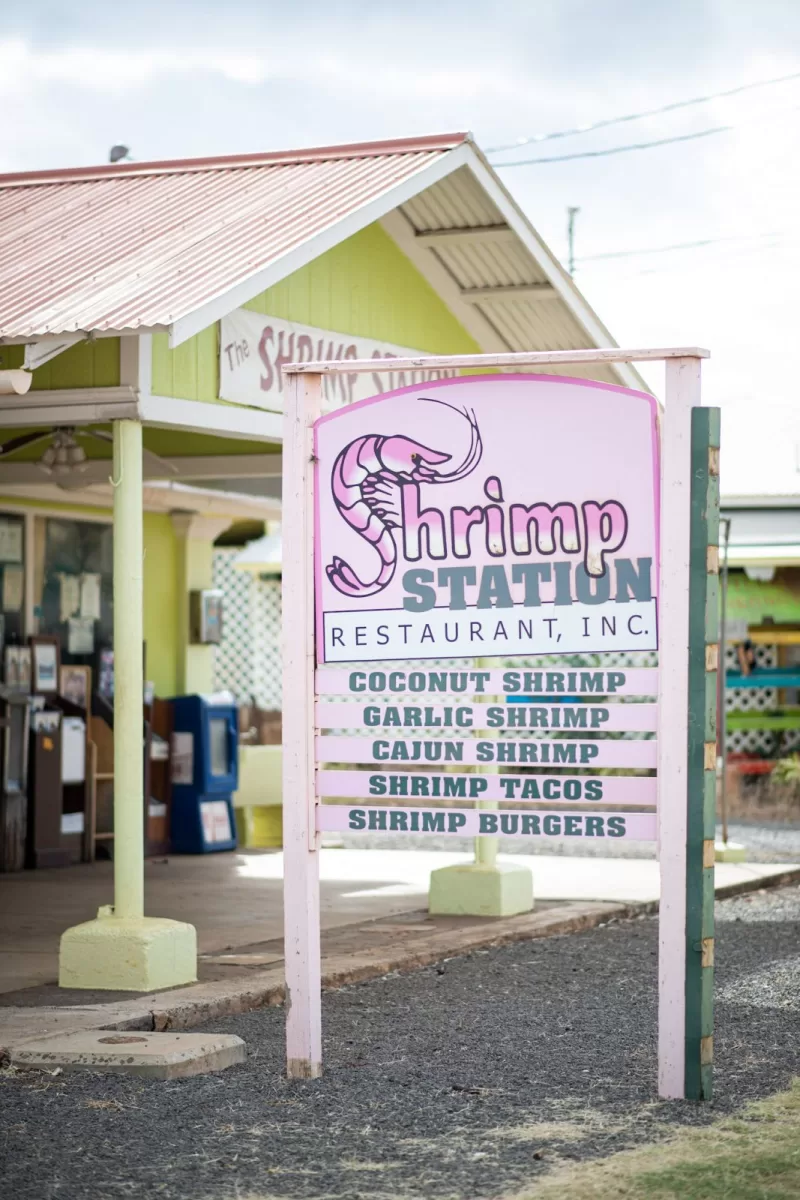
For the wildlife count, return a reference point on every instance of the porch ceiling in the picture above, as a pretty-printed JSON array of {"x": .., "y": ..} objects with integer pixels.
[
  {"x": 215, "y": 464},
  {"x": 157, "y": 496},
  {"x": 496, "y": 274}
]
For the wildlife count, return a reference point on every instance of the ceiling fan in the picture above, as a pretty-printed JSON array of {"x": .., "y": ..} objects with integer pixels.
[{"x": 65, "y": 456}]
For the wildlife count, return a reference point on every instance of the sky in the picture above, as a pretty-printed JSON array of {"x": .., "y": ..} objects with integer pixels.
[{"x": 171, "y": 79}]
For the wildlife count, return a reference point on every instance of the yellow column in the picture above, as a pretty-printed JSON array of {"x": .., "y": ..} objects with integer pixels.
[
  {"x": 484, "y": 887},
  {"x": 128, "y": 672},
  {"x": 122, "y": 950}
]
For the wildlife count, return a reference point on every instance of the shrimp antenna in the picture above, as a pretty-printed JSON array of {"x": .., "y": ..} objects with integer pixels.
[{"x": 475, "y": 445}]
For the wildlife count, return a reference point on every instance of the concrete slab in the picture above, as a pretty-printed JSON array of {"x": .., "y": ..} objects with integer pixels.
[
  {"x": 151, "y": 1055},
  {"x": 236, "y": 900},
  {"x": 357, "y": 951},
  {"x": 729, "y": 852}
]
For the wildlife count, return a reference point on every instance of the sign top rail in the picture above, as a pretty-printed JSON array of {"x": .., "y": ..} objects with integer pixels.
[{"x": 538, "y": 358}]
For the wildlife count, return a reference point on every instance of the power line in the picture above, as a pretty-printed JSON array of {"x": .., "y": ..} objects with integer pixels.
[
  {"x": 681, "y": 246},
  {"x": 736, "y": 254},
  {"x": 684, "y": 137},
  {"x": 638, "y": 116},
  {"x": 628, "y": 146}
]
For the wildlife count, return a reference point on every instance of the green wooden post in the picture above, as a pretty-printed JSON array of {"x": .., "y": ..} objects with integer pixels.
[{"x": 702, "y": 752}]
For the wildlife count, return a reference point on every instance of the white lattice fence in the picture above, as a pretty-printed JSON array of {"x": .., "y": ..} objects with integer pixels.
[
  {"x": 232, "y": 659},
  {"x": 751, "y": 741},
  {"x": 266, "y": 627},
  {"x": 248, "y": 661}
]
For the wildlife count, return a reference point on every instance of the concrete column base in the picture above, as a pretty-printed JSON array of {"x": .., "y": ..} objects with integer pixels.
[
  {"x": 473, "y": 890},
  {"x": 729, "y": 852},
  {"x": 127, "y": 954}
]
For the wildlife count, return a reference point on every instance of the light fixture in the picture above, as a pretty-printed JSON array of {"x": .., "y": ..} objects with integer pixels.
[
  {"x": 76, "y": 457},
  {"x": 263, "y": 556},
  {"x": 63, "y": 455},
  {"x": 15, "y": 382},
  {"x": 760, "y": 574}
]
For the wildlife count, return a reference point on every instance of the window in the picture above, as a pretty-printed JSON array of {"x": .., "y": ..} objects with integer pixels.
[{"x": 73, "y": 586}]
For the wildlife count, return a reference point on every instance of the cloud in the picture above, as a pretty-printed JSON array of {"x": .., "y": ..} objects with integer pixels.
[
  {"x": 260, "y": 76},
  {"x": 100, "y": 68}
]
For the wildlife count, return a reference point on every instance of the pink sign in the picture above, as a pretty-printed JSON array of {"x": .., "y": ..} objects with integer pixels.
[
  {"x": 550, "y": 681},
  {"x": 471, "y": 822},
  {"x": 532, "y": 789},
  {"x": 455, "y": 718},
  {"x": 503, "y": 752},
  {"x": 487, "y": 517}
]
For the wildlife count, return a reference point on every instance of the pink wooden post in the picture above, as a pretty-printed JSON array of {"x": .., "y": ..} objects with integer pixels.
[
  {"x": 681, "y": 394},
  {"x": 303, "y": 398}
]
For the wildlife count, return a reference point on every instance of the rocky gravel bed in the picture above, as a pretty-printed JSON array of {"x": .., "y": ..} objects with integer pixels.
[{"x": 466, "y": 1079}]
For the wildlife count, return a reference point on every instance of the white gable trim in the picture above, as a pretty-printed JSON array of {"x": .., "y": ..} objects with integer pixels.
[
  {"x": 191, "y": 324},
  {"x": 595, "y": 331}
]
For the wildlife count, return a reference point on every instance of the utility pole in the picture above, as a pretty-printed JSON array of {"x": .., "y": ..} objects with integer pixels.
[{"x": 571, "y": 214}]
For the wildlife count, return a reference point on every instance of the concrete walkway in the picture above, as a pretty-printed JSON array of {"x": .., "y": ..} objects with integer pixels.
[{"x": 235, "y": 900}]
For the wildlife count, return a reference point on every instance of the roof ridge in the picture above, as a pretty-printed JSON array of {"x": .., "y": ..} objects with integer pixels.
[{"x": 177, "y": 166}]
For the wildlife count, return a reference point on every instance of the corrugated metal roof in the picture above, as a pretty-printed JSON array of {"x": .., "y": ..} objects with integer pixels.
[{"x": 138, "y": 246}]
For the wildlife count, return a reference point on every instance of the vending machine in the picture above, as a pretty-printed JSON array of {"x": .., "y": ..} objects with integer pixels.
[{"x": 204, "y": 774}]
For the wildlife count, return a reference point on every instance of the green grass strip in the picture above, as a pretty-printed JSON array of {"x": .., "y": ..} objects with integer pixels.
[{"x": 752, "y": 1156}]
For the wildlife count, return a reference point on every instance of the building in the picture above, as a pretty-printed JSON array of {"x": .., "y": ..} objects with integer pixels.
[{"x": 154, "y": 305}]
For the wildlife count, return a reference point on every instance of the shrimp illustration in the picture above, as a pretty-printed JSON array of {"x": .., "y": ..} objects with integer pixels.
[{"x": 366, "y": 485}]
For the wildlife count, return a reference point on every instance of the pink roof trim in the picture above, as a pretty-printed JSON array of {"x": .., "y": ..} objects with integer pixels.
[{"x": 226, "y": 162}]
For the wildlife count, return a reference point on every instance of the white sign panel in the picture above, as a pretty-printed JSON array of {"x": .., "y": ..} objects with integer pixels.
[
  {"x": 254, "y": 348},
  {"x": 487, "y": 516}
]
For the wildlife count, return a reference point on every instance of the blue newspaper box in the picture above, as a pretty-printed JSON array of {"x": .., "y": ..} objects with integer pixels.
[{"x": 205, "y": 774}]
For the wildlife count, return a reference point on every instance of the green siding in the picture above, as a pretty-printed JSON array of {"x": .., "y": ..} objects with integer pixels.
[
  {"x": 191, "y": 372},
  {"x": 161, "y": 601},
  {"x": 88, "y": 364},
  {"x": 754, "y": 600},
  {"x": 365, "y": 287}
]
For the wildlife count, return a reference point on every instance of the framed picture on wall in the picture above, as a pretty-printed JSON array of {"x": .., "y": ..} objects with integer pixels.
[
  {"x": 17, "y": 668},
  {"x": 105, "y": 671},
  {"x": 105, "y": 674},
  {"x": 46, "y": 658},
  {"x": 76, "y": 684},
  {"x": 11, "y": 539},
  {"x": 24, "y": 668},
  {"x": 11, "y": 666}
]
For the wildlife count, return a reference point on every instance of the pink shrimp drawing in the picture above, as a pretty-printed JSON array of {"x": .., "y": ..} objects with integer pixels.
[{"x": 365, "y": 482}]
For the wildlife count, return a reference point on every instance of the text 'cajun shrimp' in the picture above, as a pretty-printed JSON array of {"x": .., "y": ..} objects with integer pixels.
[{"x": 365, "y": 483}]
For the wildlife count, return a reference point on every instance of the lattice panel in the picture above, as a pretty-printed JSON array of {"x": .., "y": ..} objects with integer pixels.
[
  {"x": 248, "y": 662},
  {"x": 266, "y": 647},
  {"x": 747, "y": 741},
  {"x": 233, "y": 666}
]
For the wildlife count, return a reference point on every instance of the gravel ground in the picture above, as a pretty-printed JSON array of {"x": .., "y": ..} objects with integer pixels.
[
  {"x": 463, "y": 1080},
  {"x": 776, "y": 842}
]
